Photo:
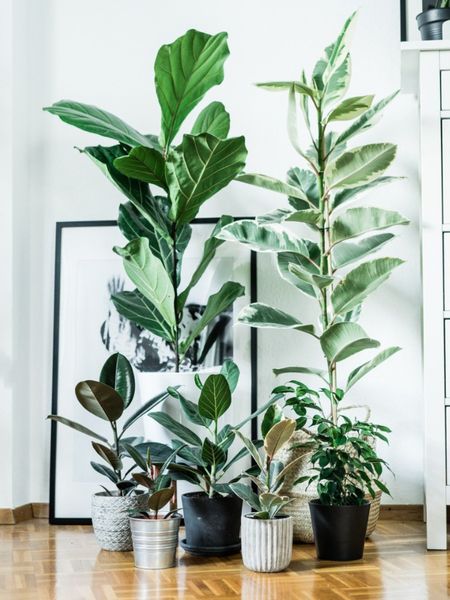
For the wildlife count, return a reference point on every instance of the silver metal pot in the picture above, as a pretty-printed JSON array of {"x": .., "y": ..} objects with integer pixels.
[
  {"x": 110, "y": 519},
  {"x": 155, "y": 542},
  {"x": 266, "y": 543}
]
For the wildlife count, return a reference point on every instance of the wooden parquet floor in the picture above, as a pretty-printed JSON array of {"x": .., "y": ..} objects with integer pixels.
[{"x": 42, "y": 562}]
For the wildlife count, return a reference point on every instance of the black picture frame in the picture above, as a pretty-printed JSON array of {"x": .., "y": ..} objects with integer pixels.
[
  {"x": 403, "y": 25},
  {"x": 60, "y": 226}
]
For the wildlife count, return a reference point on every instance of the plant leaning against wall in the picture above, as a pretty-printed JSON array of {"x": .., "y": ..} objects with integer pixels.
[
  {"x": 323, "y": 267},
  {"x": 184, "y": 175},
  {"x": 108, "y": 399}
]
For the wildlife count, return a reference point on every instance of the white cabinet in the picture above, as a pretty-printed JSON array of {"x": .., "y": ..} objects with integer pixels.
[{"x": 426, "y": 72}]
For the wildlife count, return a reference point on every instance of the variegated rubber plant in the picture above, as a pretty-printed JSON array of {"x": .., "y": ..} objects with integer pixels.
[
  {"x": 166, "y": 182},
  {"x": 330, "y": 266}
]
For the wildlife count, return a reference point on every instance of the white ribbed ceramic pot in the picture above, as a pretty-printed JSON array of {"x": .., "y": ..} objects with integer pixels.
[{"x": 266, "y": 543}]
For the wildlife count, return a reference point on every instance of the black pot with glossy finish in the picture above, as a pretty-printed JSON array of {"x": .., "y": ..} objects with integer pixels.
[
  {"x": 339, "y": 531},
  {"x": 430, "y": 22},
  {"x": 212, "y": 524}
]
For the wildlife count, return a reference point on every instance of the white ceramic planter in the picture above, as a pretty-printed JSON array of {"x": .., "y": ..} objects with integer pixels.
[
  {"x": 266, "y": 544},
  {"x": 111, "y": 519}
]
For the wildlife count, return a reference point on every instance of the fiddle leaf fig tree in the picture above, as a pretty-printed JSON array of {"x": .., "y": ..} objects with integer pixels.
[
  {"x": 333, "y": 265},
  {"x": 166, "y": 181}
]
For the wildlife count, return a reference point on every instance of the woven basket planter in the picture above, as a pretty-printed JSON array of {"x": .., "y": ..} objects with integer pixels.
[
  {"x": 298, "y": 509},
  {"x": 111, "y": 519}
]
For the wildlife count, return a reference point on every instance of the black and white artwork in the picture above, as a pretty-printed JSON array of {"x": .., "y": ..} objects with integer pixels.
[{"x": 88, "y": 328}]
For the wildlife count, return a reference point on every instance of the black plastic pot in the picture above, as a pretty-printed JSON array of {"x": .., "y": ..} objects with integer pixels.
[
  {"x": 339, "y": 531},
  {"x": 430, "y": 22},
  {"x": 212, "y": 524}
]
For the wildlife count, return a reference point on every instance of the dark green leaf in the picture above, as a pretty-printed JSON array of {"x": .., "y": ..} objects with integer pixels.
[
  {"x": 108, "y": 455},
  {"x": 77, "y": 427},
  {"x": 100, "y": 399},
  {"x": 117, "y": 372},
  {"x": 144, "y": 409},
  {"x": 176, "y": 428},
  {"x": 213, "y": 119},
  {"x": 215, "y": 397},
  {"x": 145, "y": 164}
]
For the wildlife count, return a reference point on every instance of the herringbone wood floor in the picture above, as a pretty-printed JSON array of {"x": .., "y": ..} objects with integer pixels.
[{"x": 41, "y": 562}]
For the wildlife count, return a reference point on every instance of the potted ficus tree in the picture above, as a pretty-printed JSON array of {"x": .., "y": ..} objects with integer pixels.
[
  {"x": 331, "y": 265},
  {"x": 432, "y": 18},
  {"x": 345, "y": 466},
  {"x": 267, "y": 533},
  {"x": 107, "y": 399},
  {"x": 212, "y": 515},
  {"x": 166, "y": 179},
  {"x": 155, "y": 535}
]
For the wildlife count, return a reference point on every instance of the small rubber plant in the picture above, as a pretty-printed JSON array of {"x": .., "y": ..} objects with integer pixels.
[
  {"x": 166, "y": 180},
  {"x": 206, "y": 460},
  {"x": 328, "y": 266},
  {"x": 108, "y": 399},
  {"x": 344, "y": 462},
  {"x": 267, "y": 502},
  {"x": 158, "y": 483}
]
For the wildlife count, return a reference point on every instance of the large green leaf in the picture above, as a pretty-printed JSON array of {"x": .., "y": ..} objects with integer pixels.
[
  {"x": 138, "y": 309},
  {"x": 145, "y": 164},
  {"x": 231, "y": 372},
  {"x": 212, "y": 454},
  {"x": 246, "y": 494},
  {"x": 215, "y": 397},
  {"x": 136, "y": 191},
  {"x": 216, "y": 304},
  {"x": 350, "y": 108},
  {"x": 262, "y": 315},
  {"x": 339, "y": 82},
  {"x": 99, "y": 399},
  {"x": 365, "y": 368},
  {"x": 303, "y": 370},
  {"x": 356, "y": 221},
  {"x": 348, "y": 252},
  {"x": 181, "y": 431},
  {"x": 284, "y": 262},
  {"x": 213, "y": 119},
  {"x": 274, "y": 185},
  {"x": 108, "y": 455},
  {"x": 133, "y": 225},
  {"x": 263, "y": 238},
  {"x": 105, "y": 471},
  {"x": 184, "y": 71},
  {"x": 77, "y": 427},
  {"x": 189, "y": 408},
  {"x": 143, "y": 410},
  {"x": 349, "y": 194},
  {"x": 198, "y": 169},
  {"x": 360, "y": 282},
  {"x": 278, "y": 436},
  {"x": 209, "y": 252},
  {"x": 342, "y": 340},
  {"x": 283, "y": 86},
  {"x": 306, "y": 181},
  {"x": 310, "y": 216},
  {"x": 366, "y": 120},
  {"x": 318, "y": 281},
  {"x": 117, "y": 372},
  {"x": 95, "y": 120},
  {"x": 359, "y": 165},
  {"x": 148, "y": 274},
  {"x": 273, "y": 415}
]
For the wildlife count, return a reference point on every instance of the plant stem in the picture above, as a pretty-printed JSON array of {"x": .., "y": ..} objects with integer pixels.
[
  {"x": 175, "y": 302},
  {"x": 116, "y": 446},
  {"x": 325, "y": 246}
]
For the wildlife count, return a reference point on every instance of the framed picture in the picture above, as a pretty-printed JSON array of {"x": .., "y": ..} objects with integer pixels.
[{"x": 88, "y": 328}]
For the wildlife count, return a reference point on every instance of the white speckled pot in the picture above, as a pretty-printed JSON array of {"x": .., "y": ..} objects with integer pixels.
[
  {"x": 111, "y": 519},
  {"x": 266, "y": 544}
]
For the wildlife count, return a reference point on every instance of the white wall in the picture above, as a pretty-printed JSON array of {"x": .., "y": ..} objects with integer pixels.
[{"x": 102, "y": 53}]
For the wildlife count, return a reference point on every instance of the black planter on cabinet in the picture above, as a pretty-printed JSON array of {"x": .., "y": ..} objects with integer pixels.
[
  {"x": 431, "y": 20},
  {"x": 339, "y": 531}
]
